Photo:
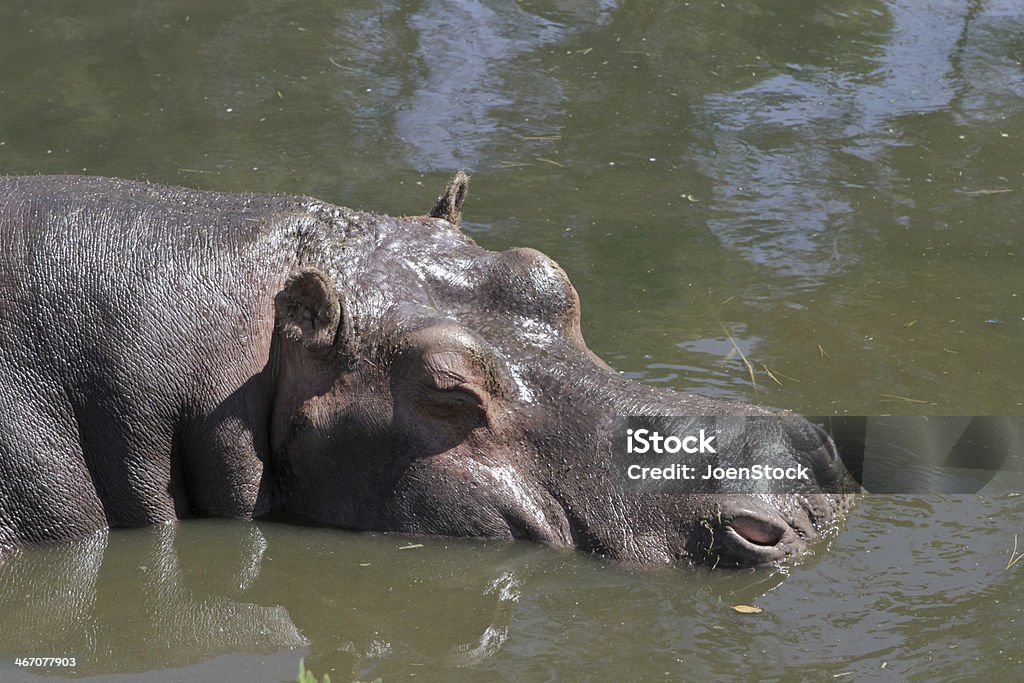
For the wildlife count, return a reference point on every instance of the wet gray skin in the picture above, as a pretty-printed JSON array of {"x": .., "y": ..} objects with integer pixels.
[{"x": 169, "y": 353}]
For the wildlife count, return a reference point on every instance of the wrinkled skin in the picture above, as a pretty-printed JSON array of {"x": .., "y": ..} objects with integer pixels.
[{"x": 169, "y": 353}]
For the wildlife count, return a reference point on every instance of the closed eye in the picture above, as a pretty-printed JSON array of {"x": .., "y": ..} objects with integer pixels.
[{"x": 461, "y": 395}]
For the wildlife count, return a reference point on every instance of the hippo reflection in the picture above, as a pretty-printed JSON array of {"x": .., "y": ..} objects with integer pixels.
[{"x": 169, "y": 352}]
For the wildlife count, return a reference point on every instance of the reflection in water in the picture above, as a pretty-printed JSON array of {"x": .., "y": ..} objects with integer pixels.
[
  {"x": 186, "y": 594},
  {"x": 45, "y": 601},
  {"x": 449, "y": 116},
  {"x": 179, "y": 597},
  {"x": 250, "y": 570},
  {"x": 507, "y": 588},
  {"x": 793, "y": 153},
  {"x": 123, "y": 602},
  {"x": 456, "y": 104}
]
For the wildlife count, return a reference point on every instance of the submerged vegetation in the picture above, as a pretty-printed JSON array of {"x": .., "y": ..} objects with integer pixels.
[{"x": 307, "y": 676}]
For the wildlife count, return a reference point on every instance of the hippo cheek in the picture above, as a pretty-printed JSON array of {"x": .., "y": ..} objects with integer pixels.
[{"x": 454, "y": 495}]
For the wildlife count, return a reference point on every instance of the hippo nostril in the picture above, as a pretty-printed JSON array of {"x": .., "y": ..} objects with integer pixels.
[{"x": 756, "y": 531}]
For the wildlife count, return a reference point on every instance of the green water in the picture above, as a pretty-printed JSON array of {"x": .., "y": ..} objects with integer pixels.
[{"x": 835, "y": 187}]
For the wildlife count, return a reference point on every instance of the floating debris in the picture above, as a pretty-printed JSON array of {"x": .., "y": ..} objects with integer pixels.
[
  {"x": 1014, "y": 557},
  {"x": 747, "y": 609},
  {"x": 982, "y": 192},
  {"x": 771, "y": 374},
  {"x": 894, "y": 397},
  {"x": 750, "y": 368}
]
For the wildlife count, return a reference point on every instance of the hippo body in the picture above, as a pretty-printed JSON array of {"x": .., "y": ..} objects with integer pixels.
[{"x": 167, "y": 353}]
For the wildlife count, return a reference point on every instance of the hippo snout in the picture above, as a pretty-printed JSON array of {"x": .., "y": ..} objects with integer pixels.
[
  {"x": 768, "y": 528},
  {"x": 757, "y": 530}
]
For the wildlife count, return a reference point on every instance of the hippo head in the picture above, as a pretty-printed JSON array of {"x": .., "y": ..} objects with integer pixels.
[{"x": 429, "y": 386}]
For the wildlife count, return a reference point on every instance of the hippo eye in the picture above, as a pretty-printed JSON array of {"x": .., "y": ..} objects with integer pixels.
[
  {"x": 450, "y": 381},
  {"x": 447, "y": 374},
  {"x": 456, "y": 397},
  {"x": 448, "y": 397}
]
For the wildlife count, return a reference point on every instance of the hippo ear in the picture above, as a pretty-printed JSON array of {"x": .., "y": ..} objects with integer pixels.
[
  {"x": 308, "y": 310},
  {"x": 449, "y": 204}
]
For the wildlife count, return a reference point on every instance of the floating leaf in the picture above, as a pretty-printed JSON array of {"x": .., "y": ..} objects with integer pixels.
[{"x": 747, "y": 609}]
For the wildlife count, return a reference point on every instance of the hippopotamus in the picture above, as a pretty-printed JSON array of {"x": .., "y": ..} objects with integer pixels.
[{"x": 170, "y": 353}]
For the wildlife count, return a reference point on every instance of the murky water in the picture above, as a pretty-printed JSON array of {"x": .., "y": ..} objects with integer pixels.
[{"x": 837, "y": 189}]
